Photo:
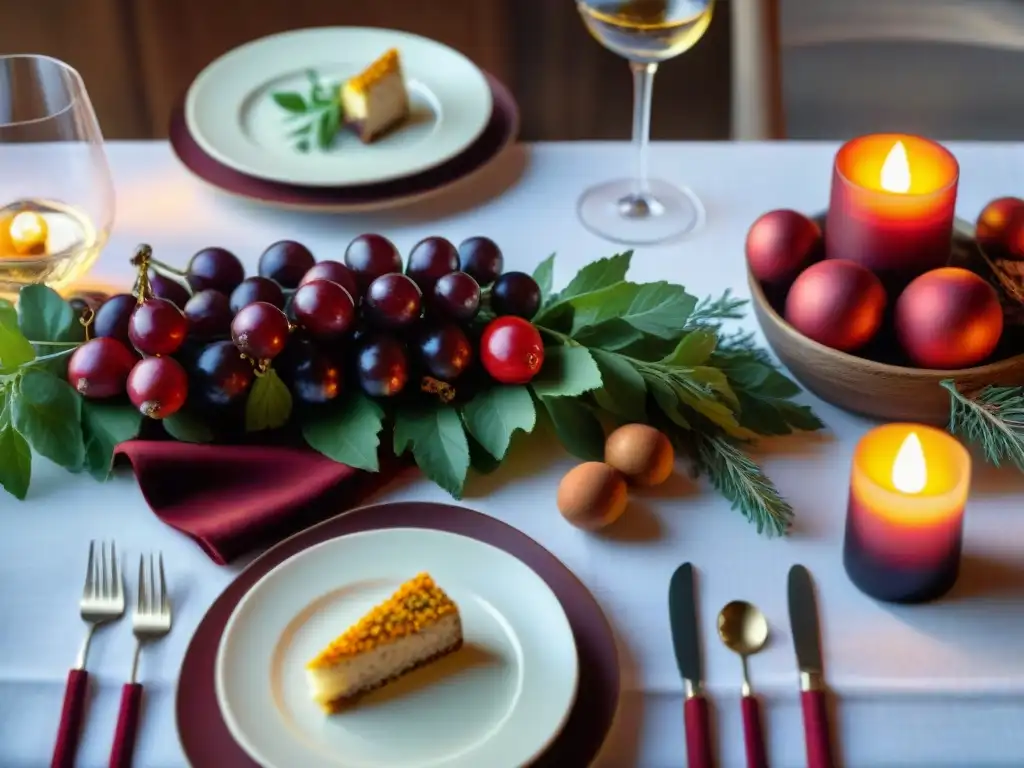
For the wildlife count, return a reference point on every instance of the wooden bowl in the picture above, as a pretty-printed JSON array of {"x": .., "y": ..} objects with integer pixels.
[{"x": 881, "y": 390}]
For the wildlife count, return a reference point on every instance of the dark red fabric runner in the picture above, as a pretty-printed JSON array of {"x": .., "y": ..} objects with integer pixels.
[{"x": 232, "y": 499}]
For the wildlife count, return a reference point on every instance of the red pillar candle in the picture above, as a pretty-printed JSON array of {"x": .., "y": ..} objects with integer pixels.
[
  {"x": 892, "y": 205},
  {"x": 904, "y": 521}
]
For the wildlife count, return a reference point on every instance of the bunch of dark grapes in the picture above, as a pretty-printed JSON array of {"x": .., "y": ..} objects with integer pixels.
[{"x": 203, "y": 335}]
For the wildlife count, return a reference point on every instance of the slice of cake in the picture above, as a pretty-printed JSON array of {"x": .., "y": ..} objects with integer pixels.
[
  {"x": 376, "y": 101},
  {"x": 418, "y": 624}
]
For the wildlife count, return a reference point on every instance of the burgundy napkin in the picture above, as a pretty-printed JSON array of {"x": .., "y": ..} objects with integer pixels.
[{"x": 232, "y": 499}]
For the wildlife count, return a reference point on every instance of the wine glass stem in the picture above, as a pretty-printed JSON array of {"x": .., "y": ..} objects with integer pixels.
[{"x": 638, "y": 204}]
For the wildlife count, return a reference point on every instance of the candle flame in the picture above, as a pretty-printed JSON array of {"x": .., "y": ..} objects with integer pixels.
[
  {"x": 909, "y": 473},
  {"x": 896, "y": 170}
]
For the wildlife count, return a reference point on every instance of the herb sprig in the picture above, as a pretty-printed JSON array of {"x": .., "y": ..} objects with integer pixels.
[
  {"x": 992, "y": 419},
  {"x": 319, "y": 113},
  {"x": 615, "y": 352}
]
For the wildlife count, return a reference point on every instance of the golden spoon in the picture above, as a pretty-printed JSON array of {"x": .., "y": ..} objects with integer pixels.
[{"x": 744, "y": 630}]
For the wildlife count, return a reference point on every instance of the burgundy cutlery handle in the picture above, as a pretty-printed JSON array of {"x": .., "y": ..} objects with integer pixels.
[
  {"x": 698, "y": 732},
  {"x": 70, "y": 719},
  {"x": 753, "y": 736},
  {"x": 127, "y": 724},
  {"x": 819, "y": 747}
]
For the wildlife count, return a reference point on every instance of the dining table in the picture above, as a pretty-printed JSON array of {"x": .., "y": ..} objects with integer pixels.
[{"x": 933, "y": 685}]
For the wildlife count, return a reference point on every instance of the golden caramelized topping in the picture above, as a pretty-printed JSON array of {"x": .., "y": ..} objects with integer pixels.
[
  {"x": 417, "y": 604},
  {"x": 386, "y": 65}
]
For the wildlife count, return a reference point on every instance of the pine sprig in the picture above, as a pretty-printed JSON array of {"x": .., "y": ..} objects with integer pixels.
[
  {"x": 992, "y": 419},
  {"x": 616, "y": 352},
  {"x": 663, "y": 358},
  {"x": 711, "y": 311},
  {"x": 740, "y": 480}
]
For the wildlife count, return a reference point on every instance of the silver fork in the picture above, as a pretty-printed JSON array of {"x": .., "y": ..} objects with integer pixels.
[
  {"x": 102, "y": 601},
  {"x": 151, "y": 621}
]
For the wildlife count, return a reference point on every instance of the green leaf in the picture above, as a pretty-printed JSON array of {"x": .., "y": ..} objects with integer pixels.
[
  {"x": 576, "y": 426},
  {"x": 544, "y": 274},
  {"x": 326, "y": 128},
  {"x": 269, "y": 404},
  {"x": 291, "y": 101},
  {"x": 767, "y": 416},
  {"x": 648, "y": 348},
  {"x": 597, "y": 275},
  {"x": 614, "y": 335},
  {"x": 763, "y": 399},
  {"x": 15, "y": 349},
  {"x": 716, "y": 412},
  {"x": 188, "y": 427},
  {"x": 47, "y": 412},
  {"x": 751, "y": 374},
  {"x": 715, "y": 380},
  {"x": 660, "y": 309},
  {"x": 349, "y": 435},
  {"x": 693, "y": 349},
  {"x": 438, "y": 442},
  {"x": 44, "y": 316},
  {"x": 494, "y": 415},
  {"x": 624, "y": 392},
  {"x": 15, "y": 455},
  {"x": 104, "y": 426},
  {"x": 567, "y": 372},
  {"x": 302, "y": 145},
  {"x": 667, "y": 400},
  {"x": 8, "y": 314},
  {"x": 479, "y": 459}
]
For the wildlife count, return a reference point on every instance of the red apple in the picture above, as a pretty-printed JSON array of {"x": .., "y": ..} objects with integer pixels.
[
  {"x": 780, "y": 244},
  {"x": 837, "y": 303}
]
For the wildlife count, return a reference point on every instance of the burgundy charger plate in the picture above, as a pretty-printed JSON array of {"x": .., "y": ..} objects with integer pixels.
[
  {"x": 500, "y": 131},
  {"x": 205, "y": 738}
]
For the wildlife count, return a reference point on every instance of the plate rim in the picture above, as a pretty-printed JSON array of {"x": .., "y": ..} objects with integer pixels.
[
  {"x": 236, "y": 613},
  {"x": 600, "y": 642},
  {"x": 192, "y": 123},
  {"x": 499, "y": 94}
]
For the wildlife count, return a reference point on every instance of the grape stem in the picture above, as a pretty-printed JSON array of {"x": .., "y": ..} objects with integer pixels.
[
  {"x": 166, "y": 269},
  {"x": 51, "y": 356}
]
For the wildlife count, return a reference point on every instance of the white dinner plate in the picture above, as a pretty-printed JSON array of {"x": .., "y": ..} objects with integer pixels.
[
  {"x": 230, "y": 111},
  {"x": 495, "y": 703}
]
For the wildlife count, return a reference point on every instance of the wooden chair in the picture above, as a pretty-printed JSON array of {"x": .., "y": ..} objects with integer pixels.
[
  {"x": 757, "y": 112},
  {"x": 833, "y": 68}
]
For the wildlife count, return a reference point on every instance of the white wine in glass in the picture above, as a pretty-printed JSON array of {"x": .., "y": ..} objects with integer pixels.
[
  {"x": 642, "y": 210},
  {"x": 56, "y": 192}
]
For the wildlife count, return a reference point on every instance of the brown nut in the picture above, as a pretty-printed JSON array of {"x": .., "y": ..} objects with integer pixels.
[
  {"x": 592, "y": 495},
  {"x": 642, "y": 453}
]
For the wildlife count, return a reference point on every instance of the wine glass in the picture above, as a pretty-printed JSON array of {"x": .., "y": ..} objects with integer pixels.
[
  {"x": 642, "y": 210},
  {"x": 56, "y": 193}
]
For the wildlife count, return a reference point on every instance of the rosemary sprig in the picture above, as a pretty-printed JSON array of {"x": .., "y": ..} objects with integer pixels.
[
  {"x": 992, "y": 419},
  {"x": 319, "y": 113},
  {"x": 740, "y": 480}
]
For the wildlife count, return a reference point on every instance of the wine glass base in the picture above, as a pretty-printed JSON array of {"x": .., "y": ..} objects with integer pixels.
[{"x": 615, "y": 212}]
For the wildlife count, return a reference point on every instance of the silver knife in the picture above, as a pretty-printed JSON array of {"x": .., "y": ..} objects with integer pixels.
[
  {"x": 682, "y": 613},
  {"x": 803, "y": 621}
]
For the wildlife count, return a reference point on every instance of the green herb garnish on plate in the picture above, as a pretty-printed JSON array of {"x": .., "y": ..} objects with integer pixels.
[{"x": 319, "y": 113}]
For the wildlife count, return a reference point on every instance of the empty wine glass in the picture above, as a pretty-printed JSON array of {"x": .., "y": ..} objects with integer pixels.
[
  {"x": 56, "y": 193},
  {"x": 642, "y": 210}
]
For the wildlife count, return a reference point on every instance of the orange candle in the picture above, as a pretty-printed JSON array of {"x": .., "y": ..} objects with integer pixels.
[
  {"x": 904, "y": 520},
  {"x": 892, "y": 205}
]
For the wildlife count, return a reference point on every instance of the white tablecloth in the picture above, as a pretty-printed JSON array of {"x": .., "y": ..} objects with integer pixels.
[{"x": 926, "y": 686}]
